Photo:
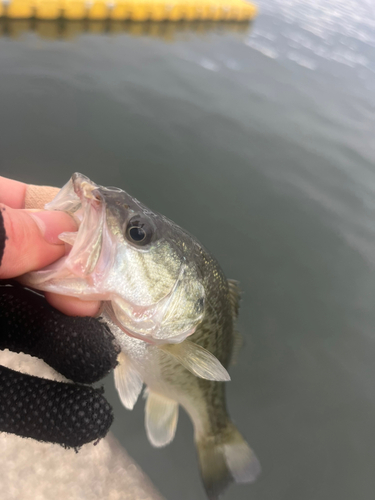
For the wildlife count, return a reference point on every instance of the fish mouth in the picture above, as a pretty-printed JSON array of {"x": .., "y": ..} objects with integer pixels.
[
  {"x": 83, "y": 200},
  {"x": 85, "y": 189},
  {"x": 90, "y": 194},
  {"x": 171, "y": 319}
]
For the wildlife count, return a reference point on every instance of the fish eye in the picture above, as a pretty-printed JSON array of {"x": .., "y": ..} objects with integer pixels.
[{"x": 139, "y": 231}]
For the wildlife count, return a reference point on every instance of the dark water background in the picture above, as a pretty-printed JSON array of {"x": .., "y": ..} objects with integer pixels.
[{"x": 260, "y": 142}]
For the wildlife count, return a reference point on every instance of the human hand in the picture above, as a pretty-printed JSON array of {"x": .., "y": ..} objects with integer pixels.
[
  {"x": 32, "y": 238},
  {"x": 80, "y": 348}
]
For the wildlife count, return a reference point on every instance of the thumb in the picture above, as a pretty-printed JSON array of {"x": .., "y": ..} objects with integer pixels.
[{"x": 29, "y": 239}]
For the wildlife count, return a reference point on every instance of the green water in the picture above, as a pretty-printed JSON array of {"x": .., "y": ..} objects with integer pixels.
[{"x": 260, "y": 142}]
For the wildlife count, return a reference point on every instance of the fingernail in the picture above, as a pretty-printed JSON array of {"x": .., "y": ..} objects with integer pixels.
[{"x": 51, "y": 224}]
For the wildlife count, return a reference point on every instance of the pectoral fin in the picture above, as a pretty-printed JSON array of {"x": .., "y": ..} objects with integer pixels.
[
  {"x": 161, "y": 416},
  {"x": 127, "y": 381},
  {"x": 197, "y": 360}
]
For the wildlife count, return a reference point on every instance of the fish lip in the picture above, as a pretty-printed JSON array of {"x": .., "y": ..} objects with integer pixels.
[
  {"x": 86, "y": 190},
  {"x": 96, "y": 195},
  {"x": 77, "y": 180}
]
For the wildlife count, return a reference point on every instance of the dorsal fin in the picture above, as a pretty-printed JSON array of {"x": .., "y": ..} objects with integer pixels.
[{"x": 234, "y": 297}]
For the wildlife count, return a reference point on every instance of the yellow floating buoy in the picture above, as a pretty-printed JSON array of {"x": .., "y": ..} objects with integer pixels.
[
  {"x": 19, "y": 9},
  {"x": 75, "y": 10},
  {"x": 48, "y": 9},
  {"x": 132, "y": 10},
  {"x": 61, "y": 28}
]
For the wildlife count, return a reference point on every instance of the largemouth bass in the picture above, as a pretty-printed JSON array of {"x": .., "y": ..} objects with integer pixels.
[{"x": 172, "y": 312}]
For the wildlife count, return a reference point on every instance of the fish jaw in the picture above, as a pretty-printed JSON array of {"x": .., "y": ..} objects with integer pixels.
[
  {"x": 81, "y": 198},
  {"x": 170, "y": 320},
  {"x": 122, "y": 321},
  {"x": 90, "y": 251}
]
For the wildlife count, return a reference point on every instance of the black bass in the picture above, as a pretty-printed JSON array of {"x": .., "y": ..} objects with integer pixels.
[{"x": 172, "y": 312}]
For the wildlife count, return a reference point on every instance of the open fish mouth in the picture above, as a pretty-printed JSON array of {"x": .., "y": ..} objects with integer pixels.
[
  {"x": 89, "y": 192},
  {"x": 78, "y": 191},
  {"x": 84, "y": 187},
  {"x": 96, "y": 267}
]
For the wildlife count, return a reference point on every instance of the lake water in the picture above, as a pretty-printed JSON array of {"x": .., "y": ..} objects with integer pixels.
[{"x": 260, "y": 141}]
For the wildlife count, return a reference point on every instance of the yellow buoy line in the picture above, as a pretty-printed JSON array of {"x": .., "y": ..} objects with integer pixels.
[
  {"x": 132, "y": 10},
  {"x": 168, "y": 31}
]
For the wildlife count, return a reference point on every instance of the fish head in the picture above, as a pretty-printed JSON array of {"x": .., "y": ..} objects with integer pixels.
[{"x": 142, "y": 264}]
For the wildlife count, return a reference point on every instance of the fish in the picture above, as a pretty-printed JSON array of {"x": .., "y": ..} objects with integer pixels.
[{"x": 172, "y": 312}]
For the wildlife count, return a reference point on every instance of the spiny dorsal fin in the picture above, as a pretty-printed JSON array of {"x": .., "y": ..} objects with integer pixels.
[
  {"x": 234, "y": 297},
  {"x": 127, "y": 381},
  {"x": 197, "y": 360},
  {"x": 161, "y": 416}
]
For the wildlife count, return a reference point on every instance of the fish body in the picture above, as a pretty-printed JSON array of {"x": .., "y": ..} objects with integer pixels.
[
  {"x": 172, "y": 312},
  {"x": 223, "y": 454}
]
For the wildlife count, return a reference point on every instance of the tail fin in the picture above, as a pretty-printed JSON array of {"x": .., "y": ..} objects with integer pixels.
[{"x": 226, "y": 458}]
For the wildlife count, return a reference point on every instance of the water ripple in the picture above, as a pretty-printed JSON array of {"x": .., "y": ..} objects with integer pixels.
[{"x": 317, "y": 31}]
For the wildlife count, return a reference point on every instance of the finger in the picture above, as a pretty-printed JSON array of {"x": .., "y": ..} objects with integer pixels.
[
  {"x": 73, "y": 306},
  {"x": 17, "y": 194},
  {"x": 31, "y": 239},
  {"x": 12, "y": 193},
  {"x": 38, "y": 196},
  {"x": 52, "y": 411},
  {"x": 81, "y": 349}
]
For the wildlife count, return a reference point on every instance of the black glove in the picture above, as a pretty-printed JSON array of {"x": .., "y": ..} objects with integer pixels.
[{"x": 81, "y": 349}]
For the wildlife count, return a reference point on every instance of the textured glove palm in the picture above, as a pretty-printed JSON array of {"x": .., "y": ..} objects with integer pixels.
[{"x": 81, "y": 349}]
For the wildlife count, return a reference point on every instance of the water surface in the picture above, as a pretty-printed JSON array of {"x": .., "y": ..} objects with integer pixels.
[{"x": 260, "y": 141}]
